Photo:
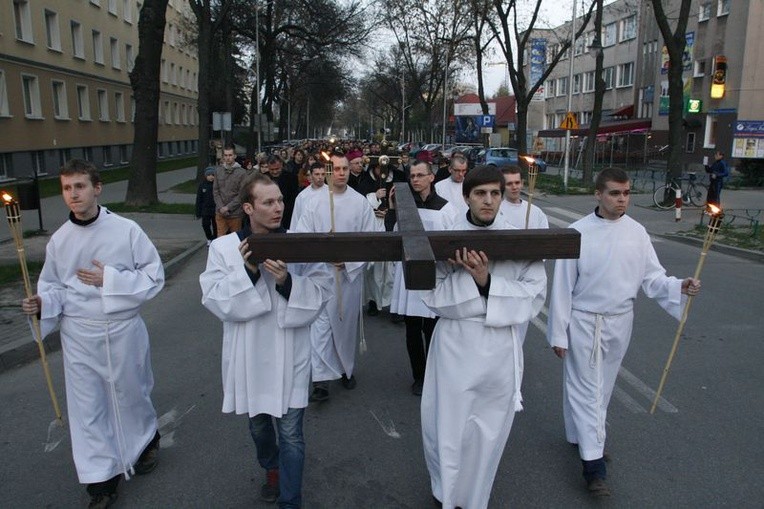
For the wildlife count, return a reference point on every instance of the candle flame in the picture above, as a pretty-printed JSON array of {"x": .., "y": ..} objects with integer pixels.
[
  {"x": 713, "y": 210},
  {"x": 7, "y": 198},
  {"x": 325, "y": 155},
  {"x": 529, "y": 159}
]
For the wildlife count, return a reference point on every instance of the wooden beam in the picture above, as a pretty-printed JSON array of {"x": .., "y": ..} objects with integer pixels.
[{"x": 416, "y": 254}]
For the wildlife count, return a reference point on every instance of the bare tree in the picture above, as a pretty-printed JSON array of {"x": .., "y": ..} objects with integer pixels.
[
  {"x": 481, "y": 10},
  {"x": 144, "y": 80},
  {"x": 675, "y": 44},
  {"x": 599, "y": 93},
  {"x": 507, "y": 14}
]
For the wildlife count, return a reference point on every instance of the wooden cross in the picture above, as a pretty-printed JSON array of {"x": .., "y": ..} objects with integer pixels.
[{"x": 416, "y": 248}]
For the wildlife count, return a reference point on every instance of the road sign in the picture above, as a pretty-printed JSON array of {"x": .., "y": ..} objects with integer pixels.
[
  {"x": 486, "y": 120},
  {"x": 570, "y": 122}
]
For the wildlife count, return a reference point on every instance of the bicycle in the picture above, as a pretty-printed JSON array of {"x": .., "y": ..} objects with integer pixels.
[{"x": 693, "y": 192}]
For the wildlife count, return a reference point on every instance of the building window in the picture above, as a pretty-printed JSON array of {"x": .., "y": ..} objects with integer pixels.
[
  {"x": 60, "y": 107},
  {"x": 164, "y": 71},
  {"x": 709, "y": 137},
  {"x": 129, "y": 59},
  {"x": 577, "y": 84},
  {"x": 97, "y": 47},
  {"x": 52, "y": 33},
  {"x": 103, "y": 105},
  {"x": 171, "y": 34},
  {"x": 5, "y": 110},
  {"x": 123, "y": 154},
  {"x": 119, "y": 106},
  {"x": 549, "y": 88},
  {"x": 723, "y": 8},
  {"x": 608, "y": 35},
  {"x": 6, "y": 166},
  {"x": 38, "y": 163},
  {"x": 31, "y": 89},
  {"x": 132, "y": 109},
  {"x": 609, "y": 77},
  {"x": 628, "y": 28},
  {"x": 114, "y": 44},
  {"x": 586, "y": 117},
  {"x": 106, "y": 151},
  {"x": 160, "y": 149},
  {"x": 167, "y": 113},
  {"x": 64, "y": 155},
  {"x": 699, "y": 68},
  {"x": 183, "y": 116},
  {"x": 626, "y": 74},
  {"x": 78, "y": 46},
  {"x": 589, "y": 81},
  {"x": 579, "y": 48},
  {"x": 562, "y": 86},
  {"x": 173, "y": 74},
  {"x": 96, "y": 2},
  {"x": 176, "y": 113},
  {"x": 87, "y": 154},
  {"x": 22, "y": 15},
  {"x": 705, "y": 11},
  {"x": 127, "y": 11},
  {"x": 113, "y": 7},
  {"x": 689, "y": 145},
  {"x": 83, "y": 102}
]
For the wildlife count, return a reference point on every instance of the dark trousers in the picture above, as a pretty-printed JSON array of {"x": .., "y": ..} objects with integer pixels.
[
  {"x": 715, "y": 191},
  {"x": 210, "y": 227},
  {"x": 418, "y": 336}
]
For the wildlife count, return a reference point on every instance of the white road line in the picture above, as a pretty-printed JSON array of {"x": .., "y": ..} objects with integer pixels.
[
  {"x": 566, "y": 213},
  {"x": 388, "y": 427},
  {"x": 628, "y": 401},
  {"x": 646, "y": 391},
  {"x": 557, "y": 222}
]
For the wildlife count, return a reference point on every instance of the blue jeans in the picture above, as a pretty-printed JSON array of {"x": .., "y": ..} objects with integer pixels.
[{"x": 288, "y": 455}]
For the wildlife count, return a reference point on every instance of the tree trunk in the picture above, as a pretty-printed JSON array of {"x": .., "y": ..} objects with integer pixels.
[
  {"x": 145, "y": 79},
  {"x": 204, "y": 45},
  {"x": 599, "y": 93}
]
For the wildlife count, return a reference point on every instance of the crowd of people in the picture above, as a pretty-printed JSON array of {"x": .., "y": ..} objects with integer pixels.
[{"x": 289, "y": 330}]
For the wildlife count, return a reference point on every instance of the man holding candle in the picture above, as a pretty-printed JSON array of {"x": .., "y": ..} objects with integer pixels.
[
  {"x": 99, "y": 269},
  {"x": 591, "y": 314},
  {"x": 513, "y": 207}
]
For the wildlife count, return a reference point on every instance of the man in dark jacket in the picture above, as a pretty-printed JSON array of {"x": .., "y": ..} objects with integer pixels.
[
  {"x": 718, "y": 171},
  {"x": 205, "y": 205}
]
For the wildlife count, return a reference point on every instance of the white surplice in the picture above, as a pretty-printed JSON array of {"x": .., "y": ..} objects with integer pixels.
[
  {"x": 452, "y": 192},
  {"x": 378, "y": 275},
  {"x": 473, "y": 377},
  {"x": 334, "y": 340},
  {"x": 303, "y": 197},
  {"x": 515, "y": 214},
  {"x": 590, "y": 315},
  {"x": 266, "y": 338},
  {"x": 104, "y": 340}
]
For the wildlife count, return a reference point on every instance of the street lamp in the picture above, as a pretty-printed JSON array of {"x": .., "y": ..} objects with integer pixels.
[{"x": 571, "y": 55}]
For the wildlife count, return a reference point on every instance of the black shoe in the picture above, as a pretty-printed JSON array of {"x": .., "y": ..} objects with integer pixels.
[
  {"x": 416, "y": 387},
  {"x": 598, "y": 488},
  {"x": 102, "y": 500},
  {"x": 270, "y": 491},
  {"x": 148, "y": 460},
  {"x": 320, "y": 392},
  {"x": 373, "y": 310},
  {"x": 348, "y": 383}
]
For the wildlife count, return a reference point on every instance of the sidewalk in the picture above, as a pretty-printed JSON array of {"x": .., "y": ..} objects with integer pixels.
[{"x": 175, "y": 237}]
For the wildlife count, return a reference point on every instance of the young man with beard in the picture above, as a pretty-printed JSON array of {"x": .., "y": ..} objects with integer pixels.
[
  {"x": 99, "y": 270},
  {"x": 225, "y": 189},
  {"x": 474, "y": 367},
  {"x": 266, "y": 310},
  {"x": 591, "y": 314}
]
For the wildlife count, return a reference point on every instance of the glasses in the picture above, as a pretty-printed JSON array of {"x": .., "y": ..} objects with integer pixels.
[{"x": 415, "y": 176}]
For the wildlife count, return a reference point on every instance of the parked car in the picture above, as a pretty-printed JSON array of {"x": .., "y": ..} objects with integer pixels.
[
  {"x": 447, "y": 153},
  {"x": 500, "y": 156}
]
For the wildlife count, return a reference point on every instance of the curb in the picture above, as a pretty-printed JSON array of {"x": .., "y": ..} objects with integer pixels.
[
  {"x": 739, "y": 252},
  {"x": 23, "y": 351}
]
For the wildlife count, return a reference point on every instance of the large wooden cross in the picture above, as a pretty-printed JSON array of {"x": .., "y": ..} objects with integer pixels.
[{"x": 416, "y": 248}]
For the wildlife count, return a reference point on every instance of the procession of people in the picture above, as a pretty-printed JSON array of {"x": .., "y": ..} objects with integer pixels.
[{"x": 289, "y": 330}]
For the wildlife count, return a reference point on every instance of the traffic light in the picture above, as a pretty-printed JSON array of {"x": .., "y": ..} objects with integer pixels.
[{"x": 719, "y": 80}]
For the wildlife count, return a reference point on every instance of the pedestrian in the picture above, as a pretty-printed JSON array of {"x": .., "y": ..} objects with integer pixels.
[
  {"x": 513, "y": 207},
  {"x": 450, "y": 187},
  {"x": 472, "y": 383},
  {"x": 228, "y": 178},
  {"x": 266, "y": 310},
  {"x": 334, "y": 334},
  {"x": 419, "y": 319},
  {"x": 205, "y": 205},
  {"x": 717, "y": 172},
  {"x": 99, "y": 269},
  {"x": 287, "y": 183},
  {"x": 591, "y": 314},
  {"x": 317, "y": 185}
]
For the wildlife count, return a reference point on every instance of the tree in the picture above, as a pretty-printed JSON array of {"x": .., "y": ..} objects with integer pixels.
[
  {"x": 524, "y": 91},
  {"x": 144, "y": 80},
  {"x": 675, "y": 43},
  {"x": 481, "y": 10},
  {"x": 599, "y": 93}
]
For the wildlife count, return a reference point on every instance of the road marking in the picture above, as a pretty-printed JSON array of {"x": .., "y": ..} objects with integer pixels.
[
  {"x": 168, "y": 423},
  {"x": 388, "y": 427},
  {"x": 565, "y": 213},
  {"x": 557, "y": 222},
  {"x": 627, "y": 401}
]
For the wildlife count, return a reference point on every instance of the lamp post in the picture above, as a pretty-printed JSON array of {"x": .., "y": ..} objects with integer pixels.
[{"x": 570, "y": 95}]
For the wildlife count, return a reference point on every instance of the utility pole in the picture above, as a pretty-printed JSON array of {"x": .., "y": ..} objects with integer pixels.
[{"x": 570, "y": 95}]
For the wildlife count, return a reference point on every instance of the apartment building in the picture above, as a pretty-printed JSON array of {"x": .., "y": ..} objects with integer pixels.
[
  {"x": 724, "y": 39},
  {"x": 65, "y": 87}
]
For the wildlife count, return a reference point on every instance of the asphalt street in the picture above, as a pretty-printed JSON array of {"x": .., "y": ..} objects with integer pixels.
[{"x": 702, "y": 448}]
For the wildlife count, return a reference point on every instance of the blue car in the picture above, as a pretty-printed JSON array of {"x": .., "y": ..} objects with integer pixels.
[{"x": 500, "y": 156}]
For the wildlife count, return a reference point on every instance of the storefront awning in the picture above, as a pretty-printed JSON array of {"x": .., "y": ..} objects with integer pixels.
[{"x": 622, "y": 127}]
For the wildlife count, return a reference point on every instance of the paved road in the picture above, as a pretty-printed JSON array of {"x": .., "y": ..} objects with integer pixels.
[{"x": 703, "y": 448}]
